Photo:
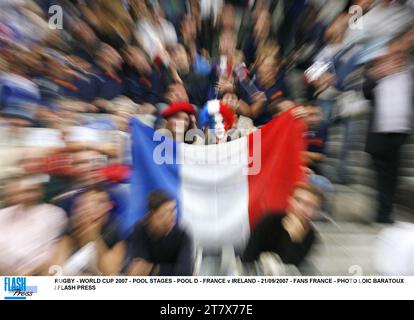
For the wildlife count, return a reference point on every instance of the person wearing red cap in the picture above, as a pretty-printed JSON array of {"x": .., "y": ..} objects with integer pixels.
[
  {"x": 180, "y": 117},
  {"x": 177, "y": 107}
]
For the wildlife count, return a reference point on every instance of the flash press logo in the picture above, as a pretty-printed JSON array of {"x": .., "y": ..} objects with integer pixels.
[{"x": 16, "y": 288}]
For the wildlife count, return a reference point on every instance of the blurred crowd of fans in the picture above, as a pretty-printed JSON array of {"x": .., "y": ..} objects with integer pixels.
[{"x": 67, "y": 94}]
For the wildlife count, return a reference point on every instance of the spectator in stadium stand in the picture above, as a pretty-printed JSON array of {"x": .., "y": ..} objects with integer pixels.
[
  {"x": 84, "y": 171},
  {"x": 258, "y": 37},
  {"x": 143, "y": 82},
  {"x": 19, "y": 102},
  {"x": 389, "y": 83},
  {"x": 176, "y": 92},
  {"x": 220, "y": 19},
  {"x": 270, "y": 85},
  {"x": 316, "y": 135},
  {"x": 244, "y": 125},
  {"x": 58, "y": 78},
  {"x": 180, "y": 118},
  {"x": 289, "y": 234},
  {"x": 17, "y": 90},
  {"x": 84, "y": 42},
  {"x": 92, "y": 245},
  {"x": 90, "y": 153},
  {"x": 174, "y": 10},
  {"x": 30, "y": 231},
  {"x": 158, "y": 245},
  {"x": 199, "y": 63},
  {"x": 221, "y": 77},
  {"x": 109, "y": 79},
  {"x": 155, "y": 34},
  {"x": 110, "y": 20},
  {"x": 188, "y": 38},
  {"x": 182, "y": 72},
  {"x": 78, "y": 81},
  {"x": 292, "y": 15},
  {"x": 218, "y": 121},
  {"x": 81, "y": 168},
  {"x": 277, "y": 106}
]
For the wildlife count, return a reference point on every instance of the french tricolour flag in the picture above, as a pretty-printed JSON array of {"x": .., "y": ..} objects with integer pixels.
[{"x": 222, "y": 190}]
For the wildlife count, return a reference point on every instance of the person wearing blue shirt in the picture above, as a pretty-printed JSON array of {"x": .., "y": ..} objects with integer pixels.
[
  {"x": 270, "y": 81},
  {"x": 143, "y": 82},
  {"x": 110, "y": 82}
]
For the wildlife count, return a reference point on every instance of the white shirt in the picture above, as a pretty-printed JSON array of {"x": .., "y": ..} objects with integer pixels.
[
  {"x": 394, "y": 103},
  {"x": 155, "y": 38},
  {"x": 28, "y": 236},
  {"x": 210, "y": 8}
]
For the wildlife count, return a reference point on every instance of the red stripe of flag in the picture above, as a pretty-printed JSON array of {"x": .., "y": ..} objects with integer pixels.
[{"x": 281, "y": 156}]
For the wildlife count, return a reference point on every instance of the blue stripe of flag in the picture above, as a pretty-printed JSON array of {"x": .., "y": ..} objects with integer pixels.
[{"x": 148, "y": 176}]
